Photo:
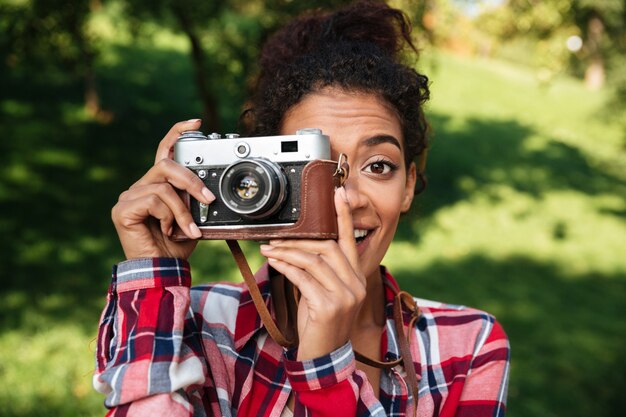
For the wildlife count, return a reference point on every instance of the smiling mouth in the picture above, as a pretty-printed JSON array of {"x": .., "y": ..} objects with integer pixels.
[{"x": 360, "y": 235}]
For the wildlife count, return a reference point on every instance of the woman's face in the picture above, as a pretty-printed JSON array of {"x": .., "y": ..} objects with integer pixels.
[{"x": 379, "y": 187}]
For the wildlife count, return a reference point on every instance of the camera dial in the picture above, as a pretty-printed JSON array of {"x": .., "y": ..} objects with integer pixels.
[{"x": 191, "y": 135}]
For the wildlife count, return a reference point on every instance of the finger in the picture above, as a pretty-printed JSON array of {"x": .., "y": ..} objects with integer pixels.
[
  {"x": 180, "y": 177},
  {"x": 312, "y": 263},
  {"x": 166, "y": 146},
  {"x": 346, "y": 240},
  {"x": 310, "y": 288},
  {"x": 330, "y": 304},
  {"x": 326, "y": 249},
  {"x": 167, "y": 195},
  {"x": 129, "y": 212}
]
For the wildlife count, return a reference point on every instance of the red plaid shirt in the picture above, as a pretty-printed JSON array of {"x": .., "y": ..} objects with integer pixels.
[{"x": 167, "y": 349}]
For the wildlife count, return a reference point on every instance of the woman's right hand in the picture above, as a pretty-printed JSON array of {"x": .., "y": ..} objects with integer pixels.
[{"x": 144, "y": 215}]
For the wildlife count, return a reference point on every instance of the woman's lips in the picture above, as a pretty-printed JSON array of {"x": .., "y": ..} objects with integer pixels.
[{"x": 365, "y": 234}]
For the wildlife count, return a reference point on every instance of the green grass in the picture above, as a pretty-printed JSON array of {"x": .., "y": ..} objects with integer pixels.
[{"x": 525, "y": 217}]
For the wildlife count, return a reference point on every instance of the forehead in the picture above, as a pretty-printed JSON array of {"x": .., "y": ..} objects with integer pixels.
[{"x": 344, "y": 115}]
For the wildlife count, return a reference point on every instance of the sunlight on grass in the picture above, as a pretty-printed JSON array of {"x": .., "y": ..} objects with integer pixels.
[
  {"x": 565, "y": 109},
  {"x": 51, "y": 371},
  {"x": 565, "y": 229}
]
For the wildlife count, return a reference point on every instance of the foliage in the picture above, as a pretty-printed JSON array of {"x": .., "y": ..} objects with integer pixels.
[
  {"x": 223, "y": 36},
  {"x": 49, "y": 38},
  {"x": 548, "y": 24},
  {"x": 44, "y": 33}
]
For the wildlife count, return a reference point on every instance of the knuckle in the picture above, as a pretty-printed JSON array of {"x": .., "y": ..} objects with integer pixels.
[
  {"x": 333, "y": 309},
  {"x": 164, "y": 164},
  {"x": 115, "y": 213},
  {"x": 125, "y": 223},
  {"x": 316, "y": 261},
  {"x": 183, "y": 216},
  {"x": 152, "y": 200},
  {"x": 193, "y": 180},
  {"x": 119, "y": 219},
  {"x": 360, "y": 293},
  {"x": 123, "y": 196},
  {"x": 163, "y": 188},
  {"x": 168, "y": 216},
  {"x": 296, "y": 272},
  {"x": 329, "y": 246},
  {"x": 350, "y": 300}
]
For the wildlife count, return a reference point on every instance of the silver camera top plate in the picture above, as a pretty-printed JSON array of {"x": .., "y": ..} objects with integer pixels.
[{"x": 194, "y": 150}]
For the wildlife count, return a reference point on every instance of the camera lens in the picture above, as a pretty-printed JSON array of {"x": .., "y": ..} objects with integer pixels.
[
  {"x": 246, "y": 188},
  {"x": 254, "y": 188}
]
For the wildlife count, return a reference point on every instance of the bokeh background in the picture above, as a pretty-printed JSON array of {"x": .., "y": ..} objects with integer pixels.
[{"x": 525, "y": 214}]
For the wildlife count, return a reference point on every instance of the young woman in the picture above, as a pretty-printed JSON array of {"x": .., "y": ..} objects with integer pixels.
[{"x": 167, "y": 349}]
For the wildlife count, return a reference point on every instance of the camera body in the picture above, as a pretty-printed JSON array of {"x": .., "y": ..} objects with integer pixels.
[{"x": 257, "y": 181}]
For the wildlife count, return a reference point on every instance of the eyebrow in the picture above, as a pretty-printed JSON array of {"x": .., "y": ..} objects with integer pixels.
[{"x": 376, "y": 140}]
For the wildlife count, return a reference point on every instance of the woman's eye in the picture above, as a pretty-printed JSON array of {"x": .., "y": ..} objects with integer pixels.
[{"x": 380, "y": 167}]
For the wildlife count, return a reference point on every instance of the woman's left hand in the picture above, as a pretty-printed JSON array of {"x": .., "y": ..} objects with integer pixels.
[{"x": 329, "y": 278}]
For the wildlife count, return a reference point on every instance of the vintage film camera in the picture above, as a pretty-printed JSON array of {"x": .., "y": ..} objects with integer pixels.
[{"x": 265, "y": 187}]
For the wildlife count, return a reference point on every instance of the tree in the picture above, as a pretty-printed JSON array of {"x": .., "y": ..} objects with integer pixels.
[
  {"x": 600, "y": 24},
  {"x": 603, "y": 24},
  {"x": 53, "y": 34},
  {"x": 235, "y": 28}
]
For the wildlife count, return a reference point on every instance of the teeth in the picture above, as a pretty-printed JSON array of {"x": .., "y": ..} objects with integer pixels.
[{"x": 359, "y": 233}]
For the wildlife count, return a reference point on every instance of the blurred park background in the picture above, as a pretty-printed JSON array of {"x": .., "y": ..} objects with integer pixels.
[{"x": 525, "y": 214}]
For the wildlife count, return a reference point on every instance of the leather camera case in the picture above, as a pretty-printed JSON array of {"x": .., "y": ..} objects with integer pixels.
[{"x": 318, "y": 219}]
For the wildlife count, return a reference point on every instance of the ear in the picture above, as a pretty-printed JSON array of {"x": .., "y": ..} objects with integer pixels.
[{"x": 409, "y": 187}]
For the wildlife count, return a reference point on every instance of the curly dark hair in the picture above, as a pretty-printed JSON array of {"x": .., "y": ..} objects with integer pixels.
[{"x": 358, "y": 48}]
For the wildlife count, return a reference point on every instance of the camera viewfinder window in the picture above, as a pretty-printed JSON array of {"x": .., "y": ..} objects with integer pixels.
[{"x": 289, "y": 146}]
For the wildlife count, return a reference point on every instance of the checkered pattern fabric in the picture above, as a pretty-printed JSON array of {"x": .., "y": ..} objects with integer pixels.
[{"x": 165, "y": 348}]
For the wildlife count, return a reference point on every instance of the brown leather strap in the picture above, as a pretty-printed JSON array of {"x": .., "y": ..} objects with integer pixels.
[
  {"x": 375, "y": 363},
  {"x": 286, "y": 307},
  {"x": 403, "y": 297},
  {"x": 255, "y": 293}
]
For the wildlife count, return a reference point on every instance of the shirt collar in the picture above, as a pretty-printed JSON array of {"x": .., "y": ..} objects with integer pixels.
[{"x": 389, "y": 341}]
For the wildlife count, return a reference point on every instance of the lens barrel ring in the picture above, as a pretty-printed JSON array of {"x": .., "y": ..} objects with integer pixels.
[{"x": 254, "y": 188}]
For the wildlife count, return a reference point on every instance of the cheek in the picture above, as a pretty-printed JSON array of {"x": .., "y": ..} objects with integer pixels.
[{"x": 390, "y": 202}]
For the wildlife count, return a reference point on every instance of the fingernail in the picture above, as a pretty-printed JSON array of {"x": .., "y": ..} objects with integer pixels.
[
  {"x": 343, "y": 194},
  {"x": 266, "y": 248},
  {"x": 170, "y": 231},
  {"x": 193, "y": 120},
  {"x": 210, "y": 197},
  {"x": 195, "y": 232}
]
